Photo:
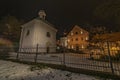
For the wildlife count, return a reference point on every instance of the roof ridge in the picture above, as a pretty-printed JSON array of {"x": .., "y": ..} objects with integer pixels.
[{"x": 46, "y": 22}]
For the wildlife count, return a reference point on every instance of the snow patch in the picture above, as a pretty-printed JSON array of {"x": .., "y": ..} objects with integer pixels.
[{"x": 15, "y": 71}]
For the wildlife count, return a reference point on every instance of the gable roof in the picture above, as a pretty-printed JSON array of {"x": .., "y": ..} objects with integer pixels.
[
  {"x": 45, "y": 21},
  {"x": 71, "y": 28},
  {"x": 38, "y": 18}
]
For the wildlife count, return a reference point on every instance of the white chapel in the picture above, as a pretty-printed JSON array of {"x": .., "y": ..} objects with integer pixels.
[{"x": 38, "y": 33}]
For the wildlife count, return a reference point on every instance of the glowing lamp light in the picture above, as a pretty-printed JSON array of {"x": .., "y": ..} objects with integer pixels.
[{"x": 115, "y": 48}]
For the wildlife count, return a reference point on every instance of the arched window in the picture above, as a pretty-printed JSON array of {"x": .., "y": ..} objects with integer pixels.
[
  {"x": 28, "y": 32},
  {"x": 48, "y": 34},
  {"x": 76, "y": 39}
]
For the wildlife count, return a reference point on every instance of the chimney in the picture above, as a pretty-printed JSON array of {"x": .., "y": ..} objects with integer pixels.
[{"x": 42, "y": 14}]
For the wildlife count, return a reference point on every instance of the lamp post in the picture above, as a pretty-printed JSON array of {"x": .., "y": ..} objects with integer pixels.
[{"x": 111, "y": 64}]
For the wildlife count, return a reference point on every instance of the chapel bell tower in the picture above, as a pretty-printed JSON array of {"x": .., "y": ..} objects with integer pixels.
[{"x": 42, "y": 14}]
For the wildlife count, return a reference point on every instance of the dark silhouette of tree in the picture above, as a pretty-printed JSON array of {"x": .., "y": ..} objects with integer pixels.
[
  {"x": 97, "y": 30},
  {"x": 10, "y": 28},
  {"x": 109, "y": 13}
]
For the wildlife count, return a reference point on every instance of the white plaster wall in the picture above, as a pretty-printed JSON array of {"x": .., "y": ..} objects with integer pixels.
[
  {"x": 63, "y": 41},
  {"x": 38, "y": 30},
  {"x": 26, "y": 42},
  {"x": 40, "y": 37}
]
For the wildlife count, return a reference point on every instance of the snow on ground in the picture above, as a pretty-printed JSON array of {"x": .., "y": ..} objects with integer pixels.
[{"x": 15, "y": 71}]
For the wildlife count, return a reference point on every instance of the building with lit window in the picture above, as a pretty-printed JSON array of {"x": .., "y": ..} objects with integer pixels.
[
  {"x": 105, "y": 41},
  {"x": 63, "y": 41},
  {"x": 38, "y": 33},
  {"x": 77, "y": 38}
]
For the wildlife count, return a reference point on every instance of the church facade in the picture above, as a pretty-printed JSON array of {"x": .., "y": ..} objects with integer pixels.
[{"x": 38, "y": 33}]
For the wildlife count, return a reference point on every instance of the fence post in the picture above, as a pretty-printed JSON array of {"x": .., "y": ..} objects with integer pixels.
[
  {"x": 17, "y": 56},
  {"x": 64, "y": 56},
  {"x": 110, "y": 60},
  {"x": 36, "y": 53}
]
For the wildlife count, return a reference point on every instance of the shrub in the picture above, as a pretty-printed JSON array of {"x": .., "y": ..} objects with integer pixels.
[
  {"x": 114, "y": 58},
  {"x": 5, "y": 47},
  {"x": 104, "y": 57}
]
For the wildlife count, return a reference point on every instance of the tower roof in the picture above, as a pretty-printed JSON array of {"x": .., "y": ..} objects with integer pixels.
[{"x": 42, "y": 14}]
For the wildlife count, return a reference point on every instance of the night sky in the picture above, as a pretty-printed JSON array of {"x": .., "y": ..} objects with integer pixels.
[{"x": 61, "y": 13}]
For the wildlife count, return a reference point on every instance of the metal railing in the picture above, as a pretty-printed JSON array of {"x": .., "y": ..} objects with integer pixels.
[{"x": 90, "y": 59}]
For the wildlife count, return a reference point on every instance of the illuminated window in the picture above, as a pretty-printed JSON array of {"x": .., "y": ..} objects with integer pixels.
[
  {"x": 48, "y": 34},
  {"x": 81, "y": 32},
  {"x": 71, "y": 33},
  {"x": 72, "y": 47},
  {"x": 68, "y": 40},
  {"x": 86, "y": 38},
  {"x": 28, "y": 32},
  {"x": 82, "y": 46}
]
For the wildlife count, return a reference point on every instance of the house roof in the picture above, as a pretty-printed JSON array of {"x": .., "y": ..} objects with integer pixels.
[
  {"x": 70, "y": 28},
  {"x": 108, "y": 37},
  {"x": 45, "y": 21}
]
